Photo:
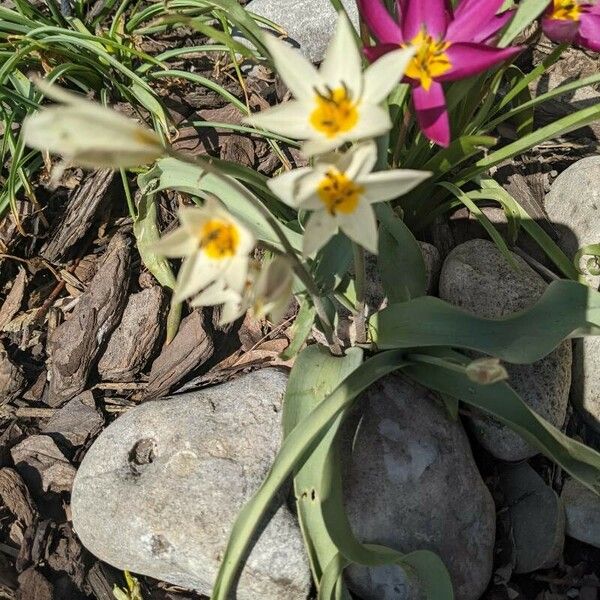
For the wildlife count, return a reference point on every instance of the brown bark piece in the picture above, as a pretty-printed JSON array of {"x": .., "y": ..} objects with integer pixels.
[
  {"x": 34, "y": 586},
  {"x": 135, "y": 339},
  {"x": 75, "y": 344},
  {"x": 15, "y": 497},
  {"x": 84, "y": 203},
  {"x": 75, "y": 423},
  {"x": 13, "y": 300},
  {"x": 191, "y": 348},
  {"x": 12, "y": 381},
  {"x": 42, "y": 465}
]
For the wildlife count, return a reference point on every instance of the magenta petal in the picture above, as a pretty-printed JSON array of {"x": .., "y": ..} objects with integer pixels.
[
  {"x": 431, "y": 14},
  {"x": 430, "y": 107},
  {"x": 374, "y": 52},
  {"x": 470, "y": 59},
  {"x": 560, "y": 30},
  {"x": 470, "y": 17},
  {"x": 486, "y": 34},
  {"x": 589, "y": 31},
  {"x": 380, "y": 22}
]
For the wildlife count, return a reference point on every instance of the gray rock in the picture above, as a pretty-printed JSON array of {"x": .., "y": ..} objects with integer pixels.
[
  {"x": 573, "y": 204},
  {"x": 308, "y": 23},
  {"x": 411, "y": 483},
  {"x": 537, "y": 518},
  {"x": 477, "y": 277},
  {"x": 158, "y": 491},
  {"x": 433, "y": 266},
  {"x": 582, "y": 508}
]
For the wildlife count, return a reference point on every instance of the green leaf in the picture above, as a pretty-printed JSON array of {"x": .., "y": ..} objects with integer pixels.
[
  {"x": 527, "y": 13},
  {"x": 145, "y": 230},
  {"x": 315, "y": 375},
  {"x": 292, "y": 455},
  {"x": 566, "y": 309},
  {"x": 493, "y": 191},
  {"x": 483, "y": 219},
  {"x": 400, "y": 259},
  {"x": 300, "y": 329},
  {"x": 502, "y": 402},
  {"x": 566, "y": 124}
]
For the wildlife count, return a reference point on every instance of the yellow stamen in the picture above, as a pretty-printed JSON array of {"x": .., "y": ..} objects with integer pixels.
[
  {"x": 339, "y": 193},
  {"x": 219, "y": 239},
  {"x": 335, "y": 112},
  {"x": 566, "y": 10},
  {"x": 430, "y": 60}
]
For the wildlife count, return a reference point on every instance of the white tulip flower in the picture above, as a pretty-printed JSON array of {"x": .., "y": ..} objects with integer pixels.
[
  {"x": 88, "y": 134},
  {"x": 267, "y": 293},
  {"x": 337, "y": 104},
  {"x": 340, "y": 189},
  {"x": 215, "y": 247}
]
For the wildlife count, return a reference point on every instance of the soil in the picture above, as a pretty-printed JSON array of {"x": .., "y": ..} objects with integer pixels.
[{"x": 72, "y": 281}]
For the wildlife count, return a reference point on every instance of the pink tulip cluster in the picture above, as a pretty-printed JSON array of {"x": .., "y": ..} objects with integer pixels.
[{"x": 452, "y": 44}]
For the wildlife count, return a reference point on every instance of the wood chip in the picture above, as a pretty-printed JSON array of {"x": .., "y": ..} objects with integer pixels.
[
  {"x": 75, "y": 344},
  {"x": 11, "y": 305},
  {"x": 34, "y": 586},
  {"x": 190, "y": 349},
  {"x": 75, "y": 423},
  {"x": 84, "y": 202},
  {"x": 42, "y": 465},
  {"x": 12, "y": 381},
  {"x": 15, "y": 497},
  {"x": 134, "y": 341}
]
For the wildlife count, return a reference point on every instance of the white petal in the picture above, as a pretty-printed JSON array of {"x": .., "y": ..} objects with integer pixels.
[
  {"x": 193, "y": 217},
  {"x": 362, "y": 160},
  {"x": 372, "y": 122},
  {"x": 236, "y": 274},
  {"x": 381, "y": 77},
  {"x": 320, "y": 228},
  {"x": 247, "y": 240},
  {"x": 307, "y": 195},
  {"x": 290, "y": 119},
  {"x": 321, "y": 145},
  {"x": 91, "y": 136},
  {"x": 386, "y": 185},
  {"x": 297, "y": 72},
  {"x": 195, "y": 273},
  {"x": 343, "y": 62},
  {"x": 214, "y": 294},
  {"x": 284, "y": 186},
  {"x": 176, "y": 244},
  {"x": 361, "y": 227}
]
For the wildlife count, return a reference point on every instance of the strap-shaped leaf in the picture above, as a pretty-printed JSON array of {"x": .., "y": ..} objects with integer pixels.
[
  {"x": 302, "y": 439},
  {"x": 566, "y": 309},
  {"x": 443, "y": 371}
]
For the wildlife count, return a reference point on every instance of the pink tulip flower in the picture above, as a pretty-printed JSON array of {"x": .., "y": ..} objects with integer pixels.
[
  {"x": 574, "y": 22},
  {"x": 450, "y": 45}
]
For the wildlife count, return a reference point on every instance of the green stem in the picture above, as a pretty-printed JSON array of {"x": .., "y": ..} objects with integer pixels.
[
  {"x": 360, "y": 287},
  {"x": 130, "y": 203}
]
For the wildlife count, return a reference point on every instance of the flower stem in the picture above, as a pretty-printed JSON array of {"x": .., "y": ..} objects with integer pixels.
[{"x": 360, "y": 287}]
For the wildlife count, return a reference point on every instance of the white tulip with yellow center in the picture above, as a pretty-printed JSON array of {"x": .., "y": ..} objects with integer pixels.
[
  {"x": 267, "y": 293},
  {"x": 214, "y": 246},
  {"x": 88, "y": 134},
  {"x": 337, "y": 104},
  {"x": 340, "y": 190}
]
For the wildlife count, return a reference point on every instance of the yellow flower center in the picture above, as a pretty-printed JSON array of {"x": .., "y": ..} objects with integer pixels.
[
  {"x": 566, "y": 10},
  {"x": 430, "y": 60},
  {"x": 219, "y": 239},
  {"x": 335, "y": 112},
  {"x": 338, "y": 193}
]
